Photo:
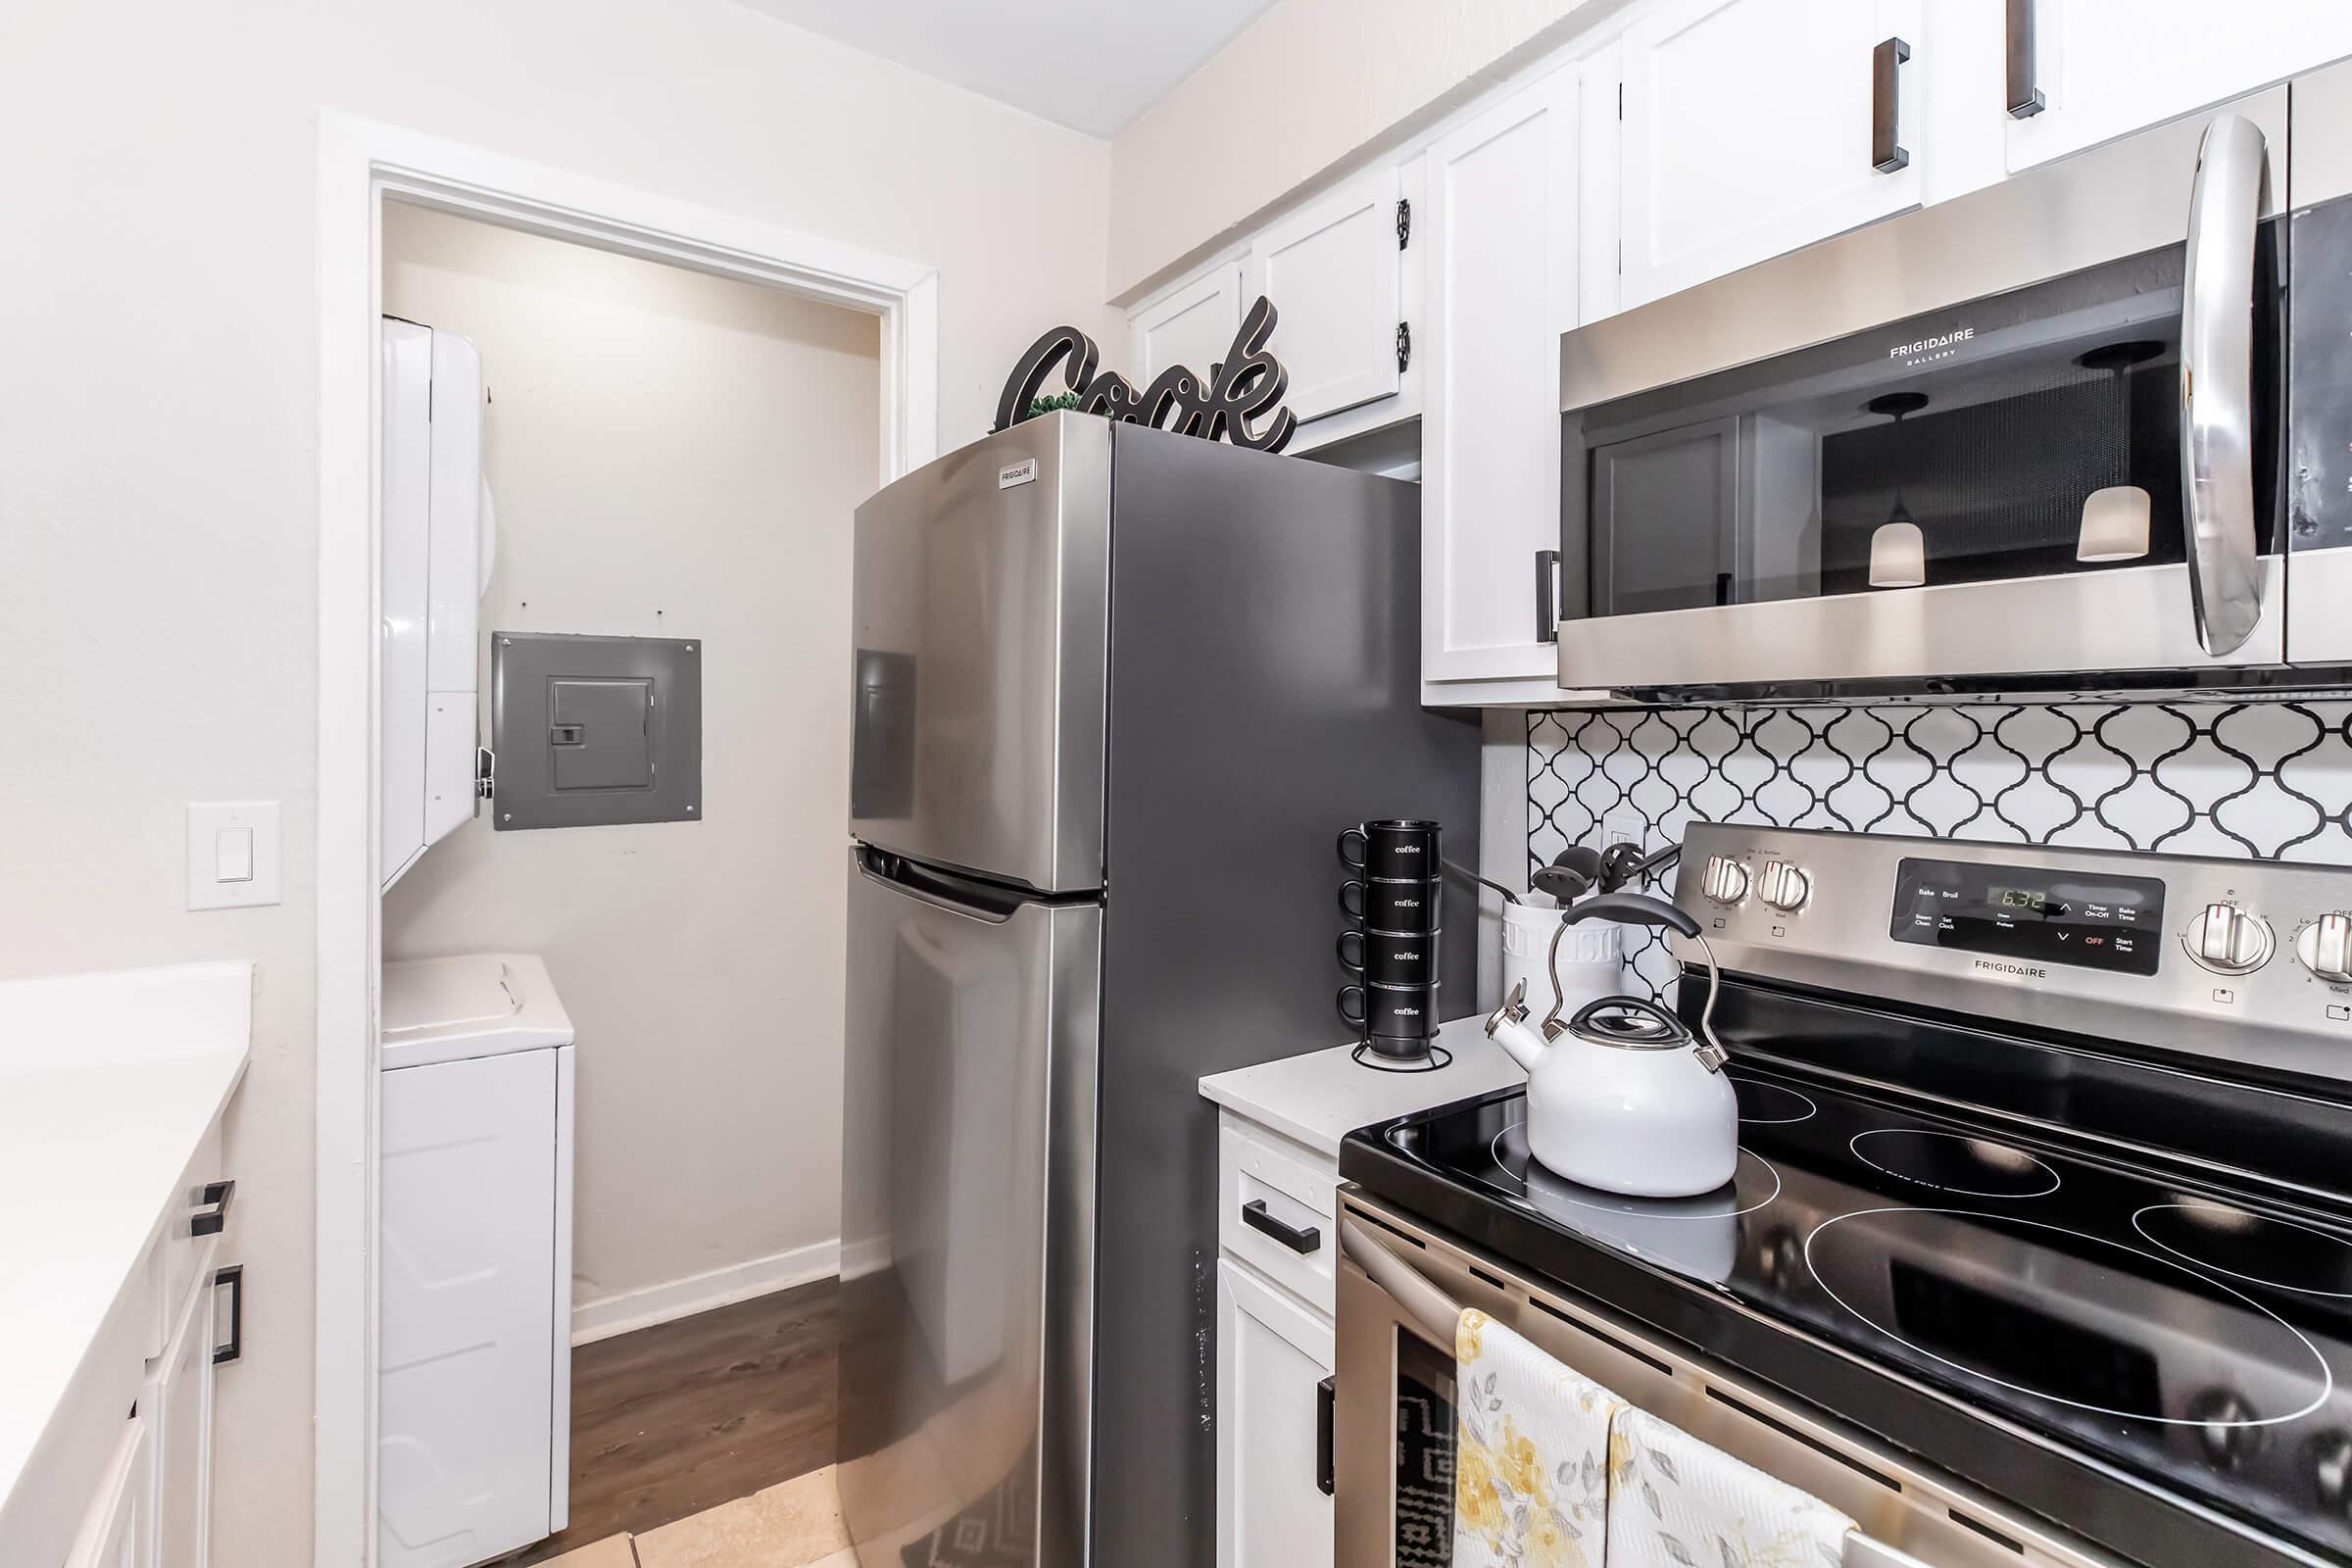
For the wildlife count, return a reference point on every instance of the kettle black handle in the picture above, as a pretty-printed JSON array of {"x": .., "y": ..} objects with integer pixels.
[{"x": 1640, "y": 909}]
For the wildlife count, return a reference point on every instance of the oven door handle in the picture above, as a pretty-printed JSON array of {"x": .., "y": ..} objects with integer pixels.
[
  {"x": 1408, "y": 1286},
  {"x": 2217, "y": 385}
]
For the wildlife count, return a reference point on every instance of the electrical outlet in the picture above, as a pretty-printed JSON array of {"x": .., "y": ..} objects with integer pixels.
[{"x": 1621, "y": 827}]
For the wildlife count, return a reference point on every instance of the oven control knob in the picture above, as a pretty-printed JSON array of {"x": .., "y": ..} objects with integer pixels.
[
  {"x": 2226, "y": 939},
  {"x": 1725, "y": 881},
  {"x": 1783, "y": 886},
  {"x": 2326, "y": 947},
  {"x": 2331, "y": 1469},
  {"x": 2227, "y": 1428}
]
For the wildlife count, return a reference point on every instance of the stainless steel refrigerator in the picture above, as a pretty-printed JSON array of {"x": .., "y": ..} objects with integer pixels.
[{"x": 1117, "y": 691}]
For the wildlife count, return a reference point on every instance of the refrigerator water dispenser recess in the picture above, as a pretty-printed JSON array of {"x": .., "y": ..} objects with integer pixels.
[{"x": 596, "y": 731}]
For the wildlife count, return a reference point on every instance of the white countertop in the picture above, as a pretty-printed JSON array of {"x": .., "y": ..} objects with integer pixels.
[
  {"x": 1323, "y": 1095},
  {"x": 108, "y": 1084}
]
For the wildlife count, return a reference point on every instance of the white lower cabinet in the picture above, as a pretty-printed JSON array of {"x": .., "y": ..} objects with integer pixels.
[
  {"x": 1274, "y": 1365},
  {"x": 1278, "y": 1240},
  {"x": 178, "y": 1398},
  {"x": 152, "y": 1505},
  {"x": 118, "y": 1531}
]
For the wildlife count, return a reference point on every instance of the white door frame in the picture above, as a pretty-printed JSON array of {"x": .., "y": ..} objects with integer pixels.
[{"x": 360, "y": 162}]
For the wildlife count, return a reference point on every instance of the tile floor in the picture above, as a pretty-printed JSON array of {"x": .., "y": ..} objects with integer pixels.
[{"x": 795, "y": 1525}]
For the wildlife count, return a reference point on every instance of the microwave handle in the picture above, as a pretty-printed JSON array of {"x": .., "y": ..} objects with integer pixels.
[{"x": 2216, "y": 385}]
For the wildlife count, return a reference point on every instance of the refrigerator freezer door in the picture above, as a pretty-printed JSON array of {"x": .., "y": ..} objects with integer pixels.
[
  {"x": 967, "y": 1214},
  {"x": 980, "y": 608}
]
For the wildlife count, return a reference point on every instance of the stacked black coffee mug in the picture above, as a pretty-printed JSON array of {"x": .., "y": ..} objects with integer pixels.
[{"x": 1393, "y": 947}]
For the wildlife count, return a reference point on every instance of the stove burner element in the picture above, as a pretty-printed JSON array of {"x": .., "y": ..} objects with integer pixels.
[
  {"x": 1893, "y": 1266},
  {"x": 1764, "y": 1105},
  {"x": 2278, "y": 1253},
  {"x": 1753, "y": 1184},
  {"x": 1950, "y": 1163}
]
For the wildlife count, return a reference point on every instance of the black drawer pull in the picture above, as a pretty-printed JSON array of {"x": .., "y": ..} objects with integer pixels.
[
  {"x": 1300, "y": 1239},
  {"x": 208, "y": 1221},
  {"x": 1326, "y": 1478}
]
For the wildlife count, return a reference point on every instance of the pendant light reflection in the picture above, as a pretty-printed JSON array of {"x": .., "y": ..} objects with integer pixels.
[
  {"x": 2115, "y": 520},
  {"x": 1898, "y": 551},
  {"x": 1898, "y": 555}
]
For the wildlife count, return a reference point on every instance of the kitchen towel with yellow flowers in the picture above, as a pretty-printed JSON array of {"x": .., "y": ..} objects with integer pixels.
[
  {"x": 1531, "y": 1481},
  {"x": 1677, "y": 1502}
]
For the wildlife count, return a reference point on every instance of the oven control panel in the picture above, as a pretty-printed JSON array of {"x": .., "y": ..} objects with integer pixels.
[
  {"x": 2246, "y": 960},
  {"x": 2085, "y": 918}
]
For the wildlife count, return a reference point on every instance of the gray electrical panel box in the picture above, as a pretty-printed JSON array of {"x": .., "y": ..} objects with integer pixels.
[{"x": 593, "y": 732}]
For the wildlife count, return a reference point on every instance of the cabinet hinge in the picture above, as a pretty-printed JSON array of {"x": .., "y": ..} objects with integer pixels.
[
  {"x": 1404, "y": 346},
  {"x": 1404, "y": 225}
]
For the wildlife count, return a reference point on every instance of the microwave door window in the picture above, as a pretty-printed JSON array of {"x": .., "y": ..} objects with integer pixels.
[
  {"x": 1668, "y": 509},
  {"x": 2034, "y": 434}
]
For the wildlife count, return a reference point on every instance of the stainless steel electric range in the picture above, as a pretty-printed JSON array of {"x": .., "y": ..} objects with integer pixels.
[{"x": 2039, "y": 1246}]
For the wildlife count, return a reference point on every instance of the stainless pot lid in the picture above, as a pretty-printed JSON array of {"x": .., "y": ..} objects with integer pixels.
[{"x": 1629, "y": 1023}]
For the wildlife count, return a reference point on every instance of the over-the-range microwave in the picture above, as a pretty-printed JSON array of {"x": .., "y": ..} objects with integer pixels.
[{"x": 2087, "y": 429}]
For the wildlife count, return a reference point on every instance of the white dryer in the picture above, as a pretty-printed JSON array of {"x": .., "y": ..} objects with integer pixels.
[{"x": 439, "y": 538}]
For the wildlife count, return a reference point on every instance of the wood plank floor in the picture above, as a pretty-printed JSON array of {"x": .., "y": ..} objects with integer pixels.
[{"x": 683, "y": 1416}]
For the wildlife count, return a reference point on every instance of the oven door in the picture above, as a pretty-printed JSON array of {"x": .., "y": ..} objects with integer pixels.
[
  {"x": 2034, "y": 436},
  {"x": 1401, "y": 1286}
]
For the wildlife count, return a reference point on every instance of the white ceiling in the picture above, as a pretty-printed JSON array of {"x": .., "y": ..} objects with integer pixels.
[{"x": 1092, "y": 64}]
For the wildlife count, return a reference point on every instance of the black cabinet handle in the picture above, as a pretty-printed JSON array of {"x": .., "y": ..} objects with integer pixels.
[
  {"x": 1547, "y": 599},
  {"x": 2024, "y": 93},
  {"x": 1326, "y": 1481},
  {"x": 1886, "y": 153},
  {"x": 233, "y": 1277},
  {"x": 1300, "y": 1239},
  {"x": 209, "y": 1220}
]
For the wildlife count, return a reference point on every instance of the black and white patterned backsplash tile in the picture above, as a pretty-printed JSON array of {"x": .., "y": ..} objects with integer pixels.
[{"x": 2269, "y": 780}]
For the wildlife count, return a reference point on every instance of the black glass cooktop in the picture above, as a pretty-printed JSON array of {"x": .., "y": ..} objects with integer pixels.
[{"x": 2184, "y": 1332}]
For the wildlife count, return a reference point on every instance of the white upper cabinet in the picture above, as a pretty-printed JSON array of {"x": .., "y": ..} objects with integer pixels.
[
  {"x": 1334, "y": 271},
  {"x": 1192, "y": 326},
  {"x": 2102, "y": 68},
  {"x": 1503, "y": 270},
  {"x": 1754, "y": 126}
]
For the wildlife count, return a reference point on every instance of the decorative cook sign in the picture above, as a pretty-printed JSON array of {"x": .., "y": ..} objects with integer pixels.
[{"x": 1249, "y": 382}]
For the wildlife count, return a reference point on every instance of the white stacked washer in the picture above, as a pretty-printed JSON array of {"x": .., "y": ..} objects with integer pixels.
[{"x": 474, "y": 1392}]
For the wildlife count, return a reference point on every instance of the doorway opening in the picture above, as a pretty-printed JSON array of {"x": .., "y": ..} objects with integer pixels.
[{"x": 678, "y": 413}]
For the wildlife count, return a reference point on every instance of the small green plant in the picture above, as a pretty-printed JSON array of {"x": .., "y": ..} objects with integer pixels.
[{"x": 1044, "y": 405}]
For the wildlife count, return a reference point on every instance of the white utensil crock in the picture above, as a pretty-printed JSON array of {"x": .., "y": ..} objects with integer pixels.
[{"x": 1591, "y": 957}]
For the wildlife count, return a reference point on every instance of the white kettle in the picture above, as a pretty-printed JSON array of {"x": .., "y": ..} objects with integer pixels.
[{"x": 1621, "y": 1096}]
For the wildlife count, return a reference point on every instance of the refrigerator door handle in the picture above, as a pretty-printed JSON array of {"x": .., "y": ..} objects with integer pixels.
[{"x": 942, "y": 890}]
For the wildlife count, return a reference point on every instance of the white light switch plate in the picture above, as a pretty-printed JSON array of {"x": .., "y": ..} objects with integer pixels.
[
  {"x": 233, "y": 837},
  {"x": 1621, "y": 827}
]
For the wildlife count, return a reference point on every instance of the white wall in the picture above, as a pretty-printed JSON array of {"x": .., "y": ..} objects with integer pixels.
[
  {"x": 158, "y": 447},
  {"x": 1305, "y": 89},
  {"x": 673, "y": 454}
]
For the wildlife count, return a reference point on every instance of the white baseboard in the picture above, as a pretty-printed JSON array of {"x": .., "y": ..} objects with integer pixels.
[{"x": 700, "y": 1293}]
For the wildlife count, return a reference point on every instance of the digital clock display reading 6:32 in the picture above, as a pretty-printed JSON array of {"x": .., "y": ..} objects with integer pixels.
[{"x": 2032, "y": 899}]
